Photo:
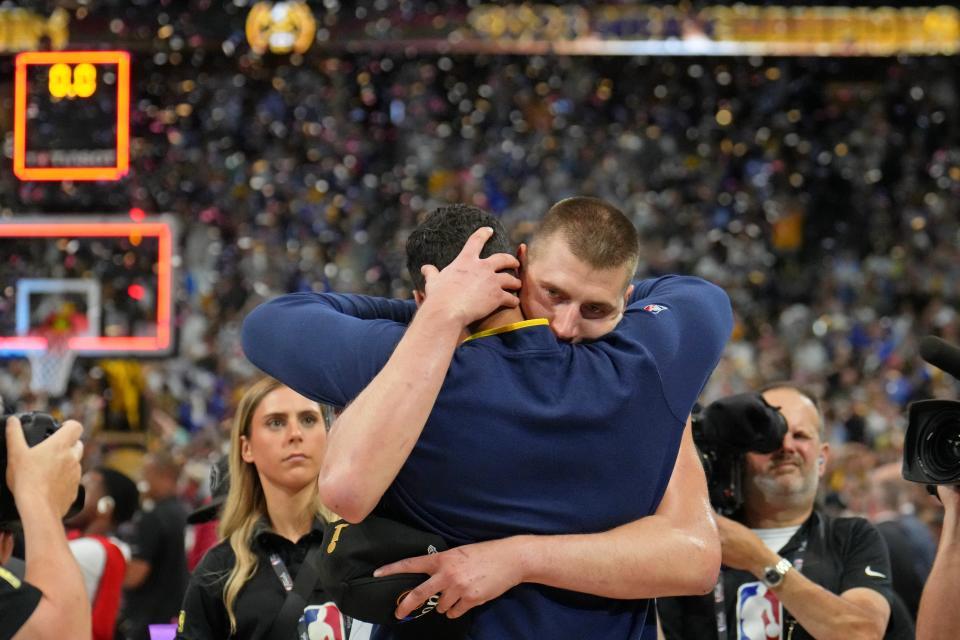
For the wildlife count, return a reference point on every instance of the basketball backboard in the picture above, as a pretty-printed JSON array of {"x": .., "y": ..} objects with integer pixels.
[{"x": 103, "y": 285}]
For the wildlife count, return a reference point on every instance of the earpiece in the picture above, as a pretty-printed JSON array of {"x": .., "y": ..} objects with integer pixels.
[
  {"x": 105, "y": 505},
  {"x": 821, "y": 460}
]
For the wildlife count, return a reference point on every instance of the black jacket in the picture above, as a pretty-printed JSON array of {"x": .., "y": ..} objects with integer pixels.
[{"x": 204, "y": 615}]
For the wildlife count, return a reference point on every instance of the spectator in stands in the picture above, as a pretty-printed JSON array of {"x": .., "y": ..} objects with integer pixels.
[
  {"x": 909, "y": 562},
  {"x": 156, "y": 575},
  {"x": 111, "y": 499},
  {"x": 205, "y": 518},
  {"x": 825, "y": 204}
]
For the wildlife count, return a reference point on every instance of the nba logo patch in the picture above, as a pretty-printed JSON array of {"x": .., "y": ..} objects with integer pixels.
[
  {"x": 759, "y": 613},
  {"x": 321, "y": 622},
  {"x": 654, "y": 308}
]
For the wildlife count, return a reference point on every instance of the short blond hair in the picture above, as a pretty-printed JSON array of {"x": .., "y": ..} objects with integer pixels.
[{"x": 596, "y": 231}]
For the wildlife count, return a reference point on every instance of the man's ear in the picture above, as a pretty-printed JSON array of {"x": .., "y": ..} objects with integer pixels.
[
  {"x": 522, "y": 253},
  {"x": 418, "y": 297},
  {"x": 822, "y": 459},
  {"x": 626, "y": 296},
  {"x": 246, "y": 453}
]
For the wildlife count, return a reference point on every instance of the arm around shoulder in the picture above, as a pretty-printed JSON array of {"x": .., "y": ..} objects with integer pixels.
[
  {"x": 674, "y": 552},
  {"x": 371, "y": 440},
  {"x": 683, "y": 323},
  {"x": 313, "y": 344}
]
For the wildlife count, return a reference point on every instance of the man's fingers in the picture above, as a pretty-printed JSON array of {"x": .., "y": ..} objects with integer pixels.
[
  {"x": 508, "y": 281},
  {"x": 474, "y": 244},
  {"x": 416, "y": 597},
  {"x": 428, "y": 271},
  {"x": 66, "y": 436},
  {"x": 501, "y": 261},
  {"x": 418, "y": 564},
  {"x": 419, "y": 595},
  {"x": 71, "y": 429},
  {"x": 447, "y": 602},
  {"x": 509, "y": 300},
  {"x": 458, "y": 609},
  {"x": 15, "y": 440}
]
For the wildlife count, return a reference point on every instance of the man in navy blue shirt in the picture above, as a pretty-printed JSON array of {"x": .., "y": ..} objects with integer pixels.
[
  {"x": 671, "y": 552},
  {"x": 528, "y": 435}
]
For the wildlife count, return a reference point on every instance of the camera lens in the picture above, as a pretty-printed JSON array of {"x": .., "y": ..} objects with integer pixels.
[
  {"x": 945, "y": 448},
  {"x": 939, "y": 452}
]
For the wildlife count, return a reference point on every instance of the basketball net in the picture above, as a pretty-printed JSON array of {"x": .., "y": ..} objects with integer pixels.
[{"x": 50, "y": 369}]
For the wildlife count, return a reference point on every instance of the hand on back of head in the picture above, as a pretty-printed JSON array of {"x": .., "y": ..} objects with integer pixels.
[{"x": 472, "y": 287}]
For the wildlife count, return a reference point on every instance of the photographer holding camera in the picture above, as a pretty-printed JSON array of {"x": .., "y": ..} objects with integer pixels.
[
  {"x": 939, "y": 616},
  {"x": 51, "y": 602},
  {"x": 789, "y": 571},
  {"x": 932, "y": 457}
]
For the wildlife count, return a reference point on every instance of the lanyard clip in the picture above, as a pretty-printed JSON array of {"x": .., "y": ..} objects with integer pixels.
[{"x": 280, "y": 569}]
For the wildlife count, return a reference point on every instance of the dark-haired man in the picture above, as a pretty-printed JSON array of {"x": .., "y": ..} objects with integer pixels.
[
  {"x": 156, "y": 576},
  {"x": 111, "y": 499},
  {"x": 563, "y": 441}
]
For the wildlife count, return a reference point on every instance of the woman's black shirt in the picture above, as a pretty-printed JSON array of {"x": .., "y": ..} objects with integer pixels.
[{"x": 204, "y": 615}]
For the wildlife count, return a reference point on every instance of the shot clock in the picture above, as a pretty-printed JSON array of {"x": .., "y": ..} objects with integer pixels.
[{"x": 72, "y": 115}]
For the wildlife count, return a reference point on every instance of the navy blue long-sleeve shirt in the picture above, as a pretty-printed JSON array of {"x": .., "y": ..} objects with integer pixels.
[{"x": 528, "y": 434}]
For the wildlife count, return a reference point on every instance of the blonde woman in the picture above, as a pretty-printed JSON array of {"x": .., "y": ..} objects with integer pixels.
[{"x": 271, "y": 518}]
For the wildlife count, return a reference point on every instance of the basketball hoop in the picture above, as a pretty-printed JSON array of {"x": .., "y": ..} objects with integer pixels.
[{"x": 50, "y": 368}]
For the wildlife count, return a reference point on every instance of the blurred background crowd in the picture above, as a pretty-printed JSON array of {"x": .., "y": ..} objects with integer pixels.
[{"x": 821, "y": 194}]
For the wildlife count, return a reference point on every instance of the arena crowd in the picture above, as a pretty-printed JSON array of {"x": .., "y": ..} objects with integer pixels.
[{"x": 822, "y": 195}]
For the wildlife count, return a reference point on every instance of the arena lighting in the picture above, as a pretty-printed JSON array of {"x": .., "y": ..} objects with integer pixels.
[
  {"x": 25, "y": 30},
  {"x": 280, "y": 27},
  {"x": 104, "y": 229},
  {"x": 136, "y": 291},
  {"x": 72, "y": 61},
  {"x": 631, "y": 29}
]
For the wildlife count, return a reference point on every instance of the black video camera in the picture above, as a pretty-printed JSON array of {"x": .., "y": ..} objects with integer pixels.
[
  {"x": 727, "y": 429},
  {"x": 37, "y": 427},
  {"x": 931, "y": 448}
]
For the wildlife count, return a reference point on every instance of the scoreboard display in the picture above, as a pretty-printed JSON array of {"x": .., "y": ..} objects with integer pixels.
[{"x": 72, "y": 115}]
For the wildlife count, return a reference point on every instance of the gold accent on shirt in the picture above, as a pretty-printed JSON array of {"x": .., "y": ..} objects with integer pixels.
[{"x": 513, "y": 326}]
